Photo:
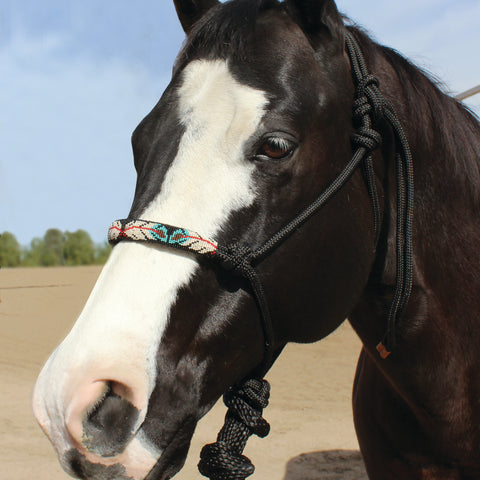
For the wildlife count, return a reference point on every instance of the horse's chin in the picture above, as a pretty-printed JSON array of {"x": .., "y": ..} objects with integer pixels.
[{"x": 174, "y": 455}]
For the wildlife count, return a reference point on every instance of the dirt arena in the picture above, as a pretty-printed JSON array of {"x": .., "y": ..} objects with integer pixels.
[{"x": 312, "y": 435}]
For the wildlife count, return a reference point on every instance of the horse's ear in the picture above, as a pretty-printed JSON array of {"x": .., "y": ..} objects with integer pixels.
[
  {"x": 317, "y": 17},
  {"x": 190, "y": 11}
]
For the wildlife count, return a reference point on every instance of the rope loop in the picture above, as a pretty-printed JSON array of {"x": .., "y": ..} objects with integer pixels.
[{"x": 218, "y": 462}]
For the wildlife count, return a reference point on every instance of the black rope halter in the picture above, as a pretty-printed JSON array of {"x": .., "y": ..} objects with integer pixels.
[{"x": 223, "y": 460}]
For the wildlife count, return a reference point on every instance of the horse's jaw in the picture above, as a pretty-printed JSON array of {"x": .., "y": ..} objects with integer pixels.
[{"x": 173, "y": 456}]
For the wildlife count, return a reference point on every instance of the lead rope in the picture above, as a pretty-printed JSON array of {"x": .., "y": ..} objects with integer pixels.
[{"x": 368, "y": 86}]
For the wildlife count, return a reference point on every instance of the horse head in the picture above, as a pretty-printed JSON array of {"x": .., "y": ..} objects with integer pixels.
[{"x": 255, "y": 123}]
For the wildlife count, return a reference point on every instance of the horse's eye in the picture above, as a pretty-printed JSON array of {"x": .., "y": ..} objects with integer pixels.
[{"x": 276, "y": 148}]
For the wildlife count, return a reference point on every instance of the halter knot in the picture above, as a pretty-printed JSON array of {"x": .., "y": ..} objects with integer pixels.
[
  {"x": 235, "y": 258},
  {"x": 368, "y": 138},
  {"x": 368, "y": 93},
  {"x": 368, "y": 109},
  {"x": 247, "y": 405}
]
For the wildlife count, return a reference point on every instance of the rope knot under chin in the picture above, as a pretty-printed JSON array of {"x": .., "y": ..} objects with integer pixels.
[
  {"x": 223, "y": 460},
  {"x": 247, "y": 404}
]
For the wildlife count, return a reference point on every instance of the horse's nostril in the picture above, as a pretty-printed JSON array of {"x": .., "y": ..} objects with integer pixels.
[
  {"x": 102, "y": 418},
  {"x": 109, "y": 423},
  {"x": 103, "y": 413}
]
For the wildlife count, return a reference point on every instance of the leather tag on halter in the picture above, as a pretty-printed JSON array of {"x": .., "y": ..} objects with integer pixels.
[{"x": 382, "y": 350}]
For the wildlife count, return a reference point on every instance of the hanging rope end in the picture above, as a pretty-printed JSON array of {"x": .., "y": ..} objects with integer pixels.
[{"x": 383, "y": 351}]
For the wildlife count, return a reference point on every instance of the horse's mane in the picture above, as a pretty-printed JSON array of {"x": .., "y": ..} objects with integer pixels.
[{"x": 441, "y": 122}]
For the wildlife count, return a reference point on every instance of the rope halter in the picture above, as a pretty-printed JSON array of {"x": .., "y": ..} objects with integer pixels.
[{"x": 223, "y": 460}]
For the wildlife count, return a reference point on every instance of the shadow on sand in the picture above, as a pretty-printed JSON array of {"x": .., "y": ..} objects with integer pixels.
[{"x": 327, "y": 465}]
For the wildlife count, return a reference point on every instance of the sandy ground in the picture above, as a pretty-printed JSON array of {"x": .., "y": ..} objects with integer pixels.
[{"x": 312, "y": 434}]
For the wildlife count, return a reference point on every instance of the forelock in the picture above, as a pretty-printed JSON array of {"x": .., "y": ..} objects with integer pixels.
[{"x": 225, "y": 30}]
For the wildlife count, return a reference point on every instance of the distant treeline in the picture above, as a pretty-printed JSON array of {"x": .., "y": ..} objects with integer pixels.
[{"x": 55, "y": 248}]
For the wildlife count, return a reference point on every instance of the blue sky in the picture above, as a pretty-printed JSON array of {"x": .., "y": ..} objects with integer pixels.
[{"x": 77, "y": 76}]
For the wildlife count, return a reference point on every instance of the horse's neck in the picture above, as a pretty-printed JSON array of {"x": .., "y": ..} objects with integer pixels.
[
  {"x": 444, "y": 138},
  {"x": 445, "y": 142}
]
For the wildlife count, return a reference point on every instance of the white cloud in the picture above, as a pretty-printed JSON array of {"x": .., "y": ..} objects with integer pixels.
[{"x": 65, "y": 126}]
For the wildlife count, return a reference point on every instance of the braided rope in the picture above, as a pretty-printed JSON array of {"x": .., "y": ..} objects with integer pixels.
[
  {"x": 223, "y": 460},
  {"x": 367, "y": 111},
  {"x": 380, "y": 108}
]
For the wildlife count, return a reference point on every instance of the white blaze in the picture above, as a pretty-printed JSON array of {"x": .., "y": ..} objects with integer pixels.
[{"x": 119, "y": 331}]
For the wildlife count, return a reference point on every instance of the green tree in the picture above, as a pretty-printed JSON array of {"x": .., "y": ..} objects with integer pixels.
[
  {"x": 102, "y": 252},
  {"x": 78, "y": 248},
  {"x": 32, "y": 256},
  {"x": 54, "y": 242},
  {"x": 10, "y": 252}
]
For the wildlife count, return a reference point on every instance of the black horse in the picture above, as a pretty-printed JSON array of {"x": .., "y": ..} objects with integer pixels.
[{"x": 273, "y": 106}]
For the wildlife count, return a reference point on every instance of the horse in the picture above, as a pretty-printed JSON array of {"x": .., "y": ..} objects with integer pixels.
[{"x": 267, "y": 102}]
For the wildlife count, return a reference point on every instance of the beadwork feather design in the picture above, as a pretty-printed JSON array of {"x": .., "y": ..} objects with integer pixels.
[{"x": 153, "y": 232}]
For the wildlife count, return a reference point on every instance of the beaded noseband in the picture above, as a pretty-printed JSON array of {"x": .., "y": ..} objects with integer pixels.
[
  {"x": 145, "y": 231},
  {"x": 223, "y": 460}
]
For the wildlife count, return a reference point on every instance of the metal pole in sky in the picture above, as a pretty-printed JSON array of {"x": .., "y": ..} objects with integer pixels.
[{"x": 468, "y": 93}]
